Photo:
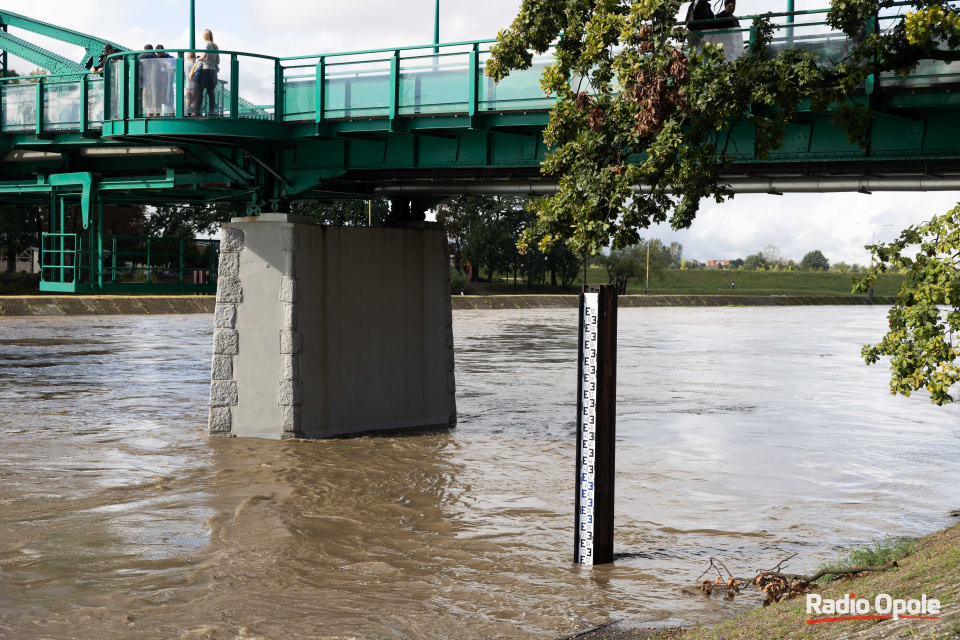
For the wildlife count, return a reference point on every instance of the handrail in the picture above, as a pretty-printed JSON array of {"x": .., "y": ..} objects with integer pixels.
[
  {"x": 390, "y": 49},
  {"x": 47, "y": 76},
  {"x": 222, "y": 52}
]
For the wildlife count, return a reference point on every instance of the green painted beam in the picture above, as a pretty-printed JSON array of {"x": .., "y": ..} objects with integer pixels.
[
  {"x": 39, "y": 56},
  {"x": 92, "y": 45}
]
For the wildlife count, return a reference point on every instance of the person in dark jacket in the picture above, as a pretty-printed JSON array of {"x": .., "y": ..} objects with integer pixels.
[
  {"x": 726, "y": 19},
  {"x": 102, "y": 62}
]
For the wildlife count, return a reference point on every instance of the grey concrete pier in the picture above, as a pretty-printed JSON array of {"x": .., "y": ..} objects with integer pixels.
[{"x": 326, "y": 331}]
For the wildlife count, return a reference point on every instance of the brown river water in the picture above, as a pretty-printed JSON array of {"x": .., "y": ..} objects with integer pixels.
[{"x": 746, "y": 434}]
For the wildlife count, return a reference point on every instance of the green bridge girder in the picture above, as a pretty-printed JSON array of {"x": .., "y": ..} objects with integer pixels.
[
  {"x": 405, "y": 123},
  {"x": 92, "y": 45}
]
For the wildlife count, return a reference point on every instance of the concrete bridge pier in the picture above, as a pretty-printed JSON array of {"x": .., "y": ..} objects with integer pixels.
[{"x": 325, "y": 331}]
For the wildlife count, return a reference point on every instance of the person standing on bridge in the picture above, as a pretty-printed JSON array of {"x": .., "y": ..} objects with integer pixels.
[
  {"x": 107, "y": 50},
  {"x": 207, "y": 80},
  {"x": 191, "y": 71},
  {"x": 166, "y": 70},
  {"x": 148, "y": 83}
]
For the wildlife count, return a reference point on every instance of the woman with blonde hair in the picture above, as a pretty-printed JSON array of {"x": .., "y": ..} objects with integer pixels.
[{"x": 206, "y": 76}]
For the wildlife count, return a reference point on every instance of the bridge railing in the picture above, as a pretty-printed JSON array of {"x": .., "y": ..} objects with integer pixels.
[
  {"x": 62, "y": 102},
  {"x": 424, "y": 80},
  {"x": 145, "y": 84},
  {"x": 406, "y": 81},
  {"x": 72, "y": 262}
]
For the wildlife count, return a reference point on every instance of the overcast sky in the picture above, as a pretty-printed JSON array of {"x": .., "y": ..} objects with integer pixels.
[{"x": 837, "y": 224}]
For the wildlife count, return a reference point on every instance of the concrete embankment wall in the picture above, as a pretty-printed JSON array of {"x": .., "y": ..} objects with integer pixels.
[
  {"x": 568, "y": 301},
  {"x": 133, "y": 305},
  {"x": 104, "y": 305}
]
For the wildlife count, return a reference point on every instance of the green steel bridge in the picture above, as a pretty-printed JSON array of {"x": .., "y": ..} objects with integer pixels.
[{"x": 415, "y": 124}]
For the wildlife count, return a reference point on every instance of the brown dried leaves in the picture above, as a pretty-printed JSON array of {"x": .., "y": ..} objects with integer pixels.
[
  {"x": 731, "y": 587},
  {"x": 657, "y": 94},
  {"x": 777, "y": 588}
]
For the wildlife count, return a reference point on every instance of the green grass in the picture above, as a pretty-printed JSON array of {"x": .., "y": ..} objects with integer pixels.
[
  {"x": 933, "y": 568},
  {"x": 716, "y": 282},
  {"x": 875, "y": 554}
]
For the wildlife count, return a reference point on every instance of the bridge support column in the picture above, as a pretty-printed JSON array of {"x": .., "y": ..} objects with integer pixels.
[{"x": 325, "y": 331}]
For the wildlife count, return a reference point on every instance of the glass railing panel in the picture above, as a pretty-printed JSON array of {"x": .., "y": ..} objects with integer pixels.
[
  {"x": 157, "y": 86},
  {"x": 95, "y": 102},
  {"x": 520, "y": 90},
  {"x": 299, "y": 93},
  {"x": 257, "y": 82},
  {"x": 206, "y": 86},
  {"x": 19, "y": 107},
  {"x": 827, "y": 46},
  {"x": 734, "y": 42},
  {"x": 117, "y": 81},
  {"x": 357, "y": 89},
  {"x": 434, "y": 84},
  {"x": 928, "y": 74},
  {"x": 61, "y": 105}
]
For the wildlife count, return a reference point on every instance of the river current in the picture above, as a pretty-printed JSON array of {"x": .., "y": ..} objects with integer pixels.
[{"x": 746, "y": 434}]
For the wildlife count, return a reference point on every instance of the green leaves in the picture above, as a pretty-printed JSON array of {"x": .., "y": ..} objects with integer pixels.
[
  {"x": 923, "y": 342},
  {"x": 642, "y": 131},
  {"x": 642, "y": 128}
]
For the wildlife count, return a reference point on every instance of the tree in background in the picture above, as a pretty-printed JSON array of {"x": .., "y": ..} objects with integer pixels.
[
  {"x": 840, "y": 267},
  {"x": 756, "y": 262},
  {"x": 342, "y": 213},
  {"x": 631, "y": 262},
  {"x": 125, "y": 220},
  {"x": 676, "y": 255},
  {"x": 621, "y": 263},
  {"x": 18, "y": 232},
  {"x": 815, "y": 261},
  {"x": 923, "y": 342},
  {"x": 483, "y": 231},
  {"x": 187, "y": 220},
  {"x": 563, "y": 263}
]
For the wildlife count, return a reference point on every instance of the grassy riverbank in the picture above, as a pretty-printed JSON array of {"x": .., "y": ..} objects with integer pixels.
[
  {"x": 687, "y": 282},
  {"x": 933, "y": 569}
]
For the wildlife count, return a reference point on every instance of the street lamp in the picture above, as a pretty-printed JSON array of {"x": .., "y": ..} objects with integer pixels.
[
  {"x": 436, "y": 27},
  {"x": 193, "y": 24},
  {"x": 873, "y": 237},
  {"x": 646, "y": 288}
]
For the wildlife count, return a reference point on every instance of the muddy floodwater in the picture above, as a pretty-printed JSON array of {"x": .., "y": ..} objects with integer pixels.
[{"x": 746, "y": 434}]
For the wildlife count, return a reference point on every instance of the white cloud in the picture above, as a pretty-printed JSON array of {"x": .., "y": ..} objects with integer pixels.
[{"x": 839, "y": 224}]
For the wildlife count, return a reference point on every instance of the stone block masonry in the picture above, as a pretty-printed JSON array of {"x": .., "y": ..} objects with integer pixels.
[
  {"x": 325, "y": 331},
  {"x": 224, "y": 394}
]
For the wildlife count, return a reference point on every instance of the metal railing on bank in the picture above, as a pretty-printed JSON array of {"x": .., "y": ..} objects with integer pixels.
[{"x": 73, "y": 262}]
